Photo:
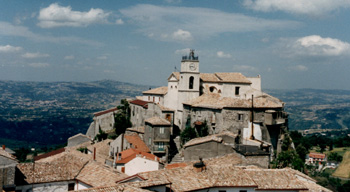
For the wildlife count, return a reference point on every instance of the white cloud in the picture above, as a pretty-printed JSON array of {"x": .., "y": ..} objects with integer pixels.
[
  {"x": 307, "y": 7},
  {"x": 59, "y": 16},
  {"x": 161, "y": 21},
  {"x": 182, "y": 35},
  {"x": 9, "y": 49},
  {"x": 243, "y": 68},
  {"x": 221, "y": 54},
  {"x": 39, "y": 65},
  {"x": 314, "y": 45},
  {"x": 119, "y": 22},
  {"x": 298, "y": 68},
  {"x": 69, "y": 57},
  {"x": 8, "y": 29},
  {"x": 35, "y": 55}
]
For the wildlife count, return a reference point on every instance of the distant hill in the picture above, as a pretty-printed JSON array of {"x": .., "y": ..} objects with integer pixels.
[
  {"x": 315, "y": 109},
  {"x": 38, "y": 114}
]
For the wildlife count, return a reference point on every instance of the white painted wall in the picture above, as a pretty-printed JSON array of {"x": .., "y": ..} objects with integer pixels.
[
  {"x": 81, "y": 186},
  {"x": 248, "y": 130},
  {"x": 139, "y": 164}
]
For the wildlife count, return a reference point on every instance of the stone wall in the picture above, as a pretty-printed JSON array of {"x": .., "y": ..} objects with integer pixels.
[
  {"x": 7, "y": 171},
  {"x": 206, "y": 150}
]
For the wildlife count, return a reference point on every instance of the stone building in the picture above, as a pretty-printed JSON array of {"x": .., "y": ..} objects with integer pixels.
[
  {"x": 225, "y": 101},
  {"x": 8, "y": 164}
]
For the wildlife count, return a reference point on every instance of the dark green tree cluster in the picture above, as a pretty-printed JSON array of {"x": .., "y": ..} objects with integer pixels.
[
  {"x": 190, "y": 133},
  {"x": 101, "y": 135},
  {"x": 122, "y": 117},
  {"x": 289, "y": 157},
  {"x": 334, "y": 157},
  {"x": 187, "y": 134}
]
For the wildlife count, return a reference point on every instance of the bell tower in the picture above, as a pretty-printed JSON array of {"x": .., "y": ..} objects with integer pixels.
[{"x": 189, "y": 83}]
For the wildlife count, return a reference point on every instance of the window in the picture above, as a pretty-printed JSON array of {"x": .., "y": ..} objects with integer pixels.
[
  {"x": 190, "y": 86},
  {"x": 240, "y": 117},
  {"x": 149, "y": 98},
  {"x": 222, "y": 190},
  {"x": 237, "y": 91},
  {"x": 161, "y": 130},
  {"x": 242, "y": 190},
  {"x": 161, "y": 145},
  {"x": 70, "y": 186},
  {"x": 149, "y": 141}
]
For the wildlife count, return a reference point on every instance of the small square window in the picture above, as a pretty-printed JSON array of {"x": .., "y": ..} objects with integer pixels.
[
  {"x": 240, "y": 117},
  {"x": 161, "y": 130},
  {"x": 237, "y": 91}
]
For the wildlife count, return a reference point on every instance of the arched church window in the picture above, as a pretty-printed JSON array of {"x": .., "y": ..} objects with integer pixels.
[{"x": 190, "y": 86}]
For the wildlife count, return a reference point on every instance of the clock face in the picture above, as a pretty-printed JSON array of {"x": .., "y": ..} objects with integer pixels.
[{"x": 192, "y": 67}]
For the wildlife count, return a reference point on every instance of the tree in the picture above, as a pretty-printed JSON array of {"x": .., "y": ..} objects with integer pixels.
[
  {"x": 187, "y": 134},
  {"x": 203, "y": 129},
  {"x": 301, "y": 151},
  {"x": 122, "y": 117}
]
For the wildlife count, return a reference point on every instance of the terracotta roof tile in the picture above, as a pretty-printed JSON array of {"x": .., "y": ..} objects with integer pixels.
[
  {"x": 137, "y": 143},
  {"x": 49, "y": 154},
  {"x": 105, "y": 111},
  {"x": 61, "y": 169},
  {"x": 157, "y": 91},
  {"x": 98, "y": 175},
  {"x": 119, "y": 188},
  {"x": 317, "y": 155},
  {"x": 102, "y": 150},
  {"x": 215, "y": 101},
  {"x": 139, "y": 102},
  {"x": 6, "y": 154},
  {"x": 130, "y": 154},
  {"x": 224, "y": 78},
  {"x": 215, "y": 137},
  {"x": 157, "y": 121},
  {"x": 233, "y": 78},
  {"x": 140, "y": 129}
]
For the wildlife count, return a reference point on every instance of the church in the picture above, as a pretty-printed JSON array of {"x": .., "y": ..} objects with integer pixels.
[{"x": 224, "y": 101}]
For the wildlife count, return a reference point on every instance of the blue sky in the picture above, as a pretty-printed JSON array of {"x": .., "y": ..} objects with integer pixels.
[{"x": 291, "y": 44}]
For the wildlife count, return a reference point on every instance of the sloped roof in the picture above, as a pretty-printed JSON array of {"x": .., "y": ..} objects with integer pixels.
[
  {"x": 317, "y": 155},
  {"x": 139, "y": 102},
  {"x": 274, "y": 179},
  {"x": 130, "y": 154},
  {"x": 63, "y": 168},
  {"x": 49, "y": 154},
  {"x": 224, "y": 78},
  {"x": 79, "y": 135},
  {"x": 105, "y": 111},
  {"x": 157, "y": 121},
  {"x": 215, "y": 137},
  {"x": 163, "y": 108},
  {"x": 118, "y": 188},
  {"x": 6, "y": 154},
  {"x": 215, "y": 101},
  {"x": 140, "y": 129},
  {"x": 97, "y": 175},
  {"x": 175, "y": 74},
  {"x": 102, "y": 150},
  {"x": 157, "y": 91},
  {"x": 137, "y": 142}
]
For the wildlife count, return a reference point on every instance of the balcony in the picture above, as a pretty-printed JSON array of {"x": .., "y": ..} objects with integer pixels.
[{"x": 275, "y": 117}]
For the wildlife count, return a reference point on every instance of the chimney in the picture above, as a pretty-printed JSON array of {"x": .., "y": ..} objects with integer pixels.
[
  {"x": 94, "y": 153},
  {"x": 3, "y": 147},
  {"x": 199, "y": 166}
]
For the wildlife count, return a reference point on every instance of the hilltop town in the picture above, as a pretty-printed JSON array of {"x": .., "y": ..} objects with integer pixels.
[{"x": 201, "y": 132}]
